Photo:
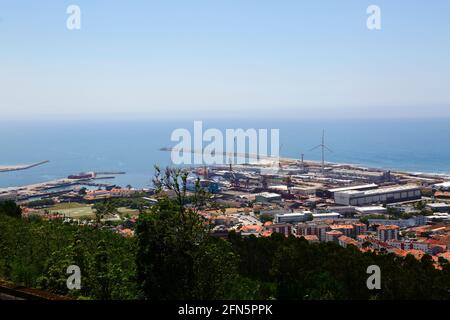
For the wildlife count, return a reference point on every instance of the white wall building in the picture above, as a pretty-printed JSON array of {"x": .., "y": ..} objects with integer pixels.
[{"x": 382, "y": 195}]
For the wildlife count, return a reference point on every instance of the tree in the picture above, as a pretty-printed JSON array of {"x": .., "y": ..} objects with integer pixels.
[
  {"x": 265, "y": 217},
  {"x": 177, "y": 258},
  {"x": 420, "y": 205},
  {"x": 102, "y": 209},
  {"x": 10, "y": 208}
]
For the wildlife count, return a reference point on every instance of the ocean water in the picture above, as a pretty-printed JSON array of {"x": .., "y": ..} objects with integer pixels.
[{"x": 133, "y": 146}]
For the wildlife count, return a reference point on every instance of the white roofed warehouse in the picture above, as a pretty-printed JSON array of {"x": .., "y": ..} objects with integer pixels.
[{"x": 382, "y": 195}]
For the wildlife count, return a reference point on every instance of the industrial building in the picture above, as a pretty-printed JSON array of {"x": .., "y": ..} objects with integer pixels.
[
  {"x": 325, "y": 216},
  {"x": 361, "y": 175},
  {"x": 444, "y": 186},
  {"x": 207, "y": 185},
  {"x": 343, "y": 209},
  {"x": 302, "y": 191},
  {"x": 357, "y": 188},
  {"x": 371, "y": 210},
  {"x": 292, "y": 217},
  {"x": 439, "y": 207},
  {"x": 304, "y": 216},
  {"x": 267, "y": 197},
  {"x": 382, "y": 195}
]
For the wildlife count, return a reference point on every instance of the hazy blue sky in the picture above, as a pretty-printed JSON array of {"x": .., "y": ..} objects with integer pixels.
[{"x": 214, "y": 58}]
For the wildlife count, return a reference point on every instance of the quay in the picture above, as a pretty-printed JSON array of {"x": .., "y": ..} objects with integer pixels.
[{"x": 50, "y": 188}]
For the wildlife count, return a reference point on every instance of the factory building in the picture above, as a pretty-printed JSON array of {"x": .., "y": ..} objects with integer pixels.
[
  {"x": 344, "y": 210},
  {"x": 439, "y": 207},
  {"x": 371, "y": 210},
  {"x": 305, "y": 216},
  {"x": 361, "y": 175},
  {"x": 302, "y": 191},
  {"x": 205, "y": 184},
  {"x": 444, "y": 186},
  {"x": 293, "y": 217},
  {"x": 382, "y": 195},
  {"x": 326, "y": 216},
  {"x": 363, "y": 187},
  {"x": 265, "y": 197}
]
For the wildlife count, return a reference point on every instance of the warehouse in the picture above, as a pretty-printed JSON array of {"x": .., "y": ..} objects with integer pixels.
[
  {"x": 293, "y": 217},
  {"x": 357, "y": 188},
  {"x": 439, "y": 207},
  {"x": 382, "y": 195},
  {"x": 267, "y": 197},
  {"x": 371, "y": 210},
  {"x": 305, "y": 216},
  {"x": 444, "y": 186}
]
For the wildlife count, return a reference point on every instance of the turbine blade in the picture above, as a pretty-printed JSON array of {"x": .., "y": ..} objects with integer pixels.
[{"x": 319, "y": 146}]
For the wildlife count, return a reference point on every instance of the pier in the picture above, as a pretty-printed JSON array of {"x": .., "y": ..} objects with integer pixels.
[{"x": 21, "y": 167}]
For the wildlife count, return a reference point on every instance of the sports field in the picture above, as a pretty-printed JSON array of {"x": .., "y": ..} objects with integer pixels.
[
  {"x": 74, "y": 210},
  {"x": 79, "y": 210}
]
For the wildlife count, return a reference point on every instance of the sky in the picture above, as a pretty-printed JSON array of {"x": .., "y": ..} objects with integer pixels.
[{"x": 224, "y": 58}]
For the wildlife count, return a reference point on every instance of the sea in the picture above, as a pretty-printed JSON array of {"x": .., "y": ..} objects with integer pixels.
[{"x": 133, "y": 146}]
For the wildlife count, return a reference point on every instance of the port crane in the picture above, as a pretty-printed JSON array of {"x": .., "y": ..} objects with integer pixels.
[{"x": 264, "y": 159}]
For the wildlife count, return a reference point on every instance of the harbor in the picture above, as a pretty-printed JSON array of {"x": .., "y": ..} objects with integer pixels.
[{"x": 58, "y": 186}]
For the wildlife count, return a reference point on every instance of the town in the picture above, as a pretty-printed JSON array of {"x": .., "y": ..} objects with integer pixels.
[{"x": 371, "y": 209}]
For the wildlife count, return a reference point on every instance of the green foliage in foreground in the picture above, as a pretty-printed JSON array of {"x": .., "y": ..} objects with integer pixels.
[
  {"x": 300, "y": 270},
  {"x": 37, "y": 253},
  {"x": 10, "y": 209}
]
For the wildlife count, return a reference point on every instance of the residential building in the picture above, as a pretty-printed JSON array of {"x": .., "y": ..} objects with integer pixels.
[
  {"x": 311, "y": 238},
  {"x": 345, "y": 241},
  {"x": 346, "y": 229},
  {"x": 332, "y": 236},
  {"x": 386, "y": 233},
  {"x": 359, "y": 228},
  {"x": 283, "y": 228}
]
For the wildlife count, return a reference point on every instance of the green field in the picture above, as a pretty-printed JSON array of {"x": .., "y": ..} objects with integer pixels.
[
  {"x": 74, "y": 210},
  {"x": 79, "y": 210},
  {"x": 131, "y": 212}
]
